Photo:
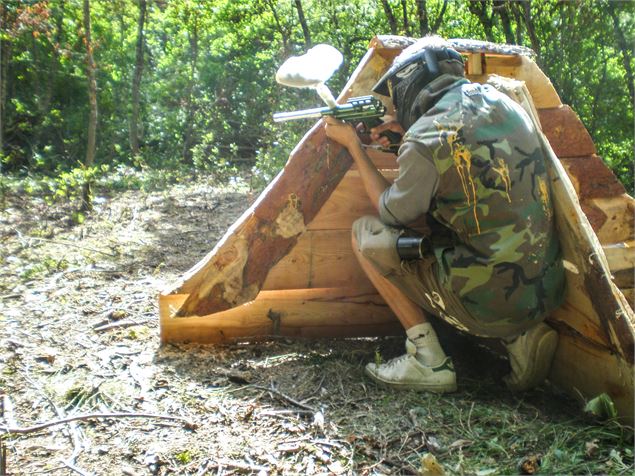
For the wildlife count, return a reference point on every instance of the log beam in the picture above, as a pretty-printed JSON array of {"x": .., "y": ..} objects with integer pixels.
[{"x": 307, "y": 313}]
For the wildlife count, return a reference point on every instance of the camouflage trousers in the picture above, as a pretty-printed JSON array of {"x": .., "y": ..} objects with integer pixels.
[{"x": 419, "y": 281}]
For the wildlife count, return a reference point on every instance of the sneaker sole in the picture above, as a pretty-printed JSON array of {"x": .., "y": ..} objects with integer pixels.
[
  {"x": 440, "y": 388},
  {"x": 545, "y": 350}
]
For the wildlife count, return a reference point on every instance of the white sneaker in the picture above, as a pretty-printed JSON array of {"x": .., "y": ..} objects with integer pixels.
[
  {"x": 407, "y": 373},
  {"x": 530, "y": 357}
]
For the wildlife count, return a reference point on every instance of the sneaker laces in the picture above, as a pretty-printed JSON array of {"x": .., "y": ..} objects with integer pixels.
[
  {"x": 396, "y": 360},
  {"x": 411, "y": 351}
]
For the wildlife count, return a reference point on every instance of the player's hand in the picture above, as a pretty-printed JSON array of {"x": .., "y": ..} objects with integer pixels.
[
  {"x": 386, "y": 126},
  {"x": 340, "y": 132}
]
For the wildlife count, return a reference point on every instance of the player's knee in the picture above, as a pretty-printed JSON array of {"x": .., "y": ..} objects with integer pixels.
[{"x": 362, "y": 229}]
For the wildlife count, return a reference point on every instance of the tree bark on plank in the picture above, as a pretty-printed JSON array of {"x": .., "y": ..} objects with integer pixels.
[
  {"x": 136, "y": 81},
  {"x": 92, "y": 99}
]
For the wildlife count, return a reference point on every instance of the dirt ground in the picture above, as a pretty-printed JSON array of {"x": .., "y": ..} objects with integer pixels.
[{"x": 79, "y": 336}]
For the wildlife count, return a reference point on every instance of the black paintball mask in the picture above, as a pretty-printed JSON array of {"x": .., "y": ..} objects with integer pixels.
[{"x": 405, "y": 80}]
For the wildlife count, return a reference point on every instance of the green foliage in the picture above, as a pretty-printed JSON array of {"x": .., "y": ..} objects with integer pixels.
[
  {"x": 46, "y": 265},
  {"x": 207, "y": 90},
  {"x": 184, "y": 457}
]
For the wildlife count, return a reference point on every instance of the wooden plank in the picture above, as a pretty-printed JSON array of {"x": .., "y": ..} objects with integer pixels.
[
  {"x": 233, "y": 273},
  {"x": 619, "y": 224},
  {"x": 333, "y": 262},
  {"x": 539, "y": 85},
  {"x": 620, "y": 256},
  {"x": 565, "y": 132},
  {"x": 292, "y": 271},
  {"x": 496, "y": 62},
  {"x": 331, "y": 312},
  {"x": 347, "y": 203},
  {"x": 629, "y": 296},
  {"x": 586, "y": 371},
  {"x": 595, "y": 352},
  {"x": 381, "y": 160},
  {"x": 474, "y": 64},
  {"x": 322, "y": 258},
  {"x": 592, "y": 178}
]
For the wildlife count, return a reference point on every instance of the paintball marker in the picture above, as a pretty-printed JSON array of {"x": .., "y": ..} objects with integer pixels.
[{"x": 312, "y": 70}]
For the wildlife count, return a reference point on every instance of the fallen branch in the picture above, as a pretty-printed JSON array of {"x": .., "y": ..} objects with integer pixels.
[
  {"x": 90, "y": 416},
  {"x": 114, "y": 325},
  {"x": 70, "y": 243},
  {"x": 285, "y": 397}
]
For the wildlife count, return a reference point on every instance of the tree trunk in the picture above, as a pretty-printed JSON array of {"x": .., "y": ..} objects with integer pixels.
[
  {"x": 188, "y": 137},
  {"x": 422, "y": 15},
  {"x": 305, "y": 27},
  {"x": 92, "y": 99},
  {"x": 627, "y": 51},
  {"x": 390, "y": 16},
  {"x": 531, "y": 31},
  {"x": 518, "y": 17},
  {"x": 136, "y": 81},
  {"x": 2, "y": 81},
  {"x": 439, "y": 20},
  {"x": 479, "y": 8},
  {"x": 598, "y": 92},
  {"x": 406, "y": 23},
  {"x": 501, "y": 7},
  {"x": 283, "y": 33}
]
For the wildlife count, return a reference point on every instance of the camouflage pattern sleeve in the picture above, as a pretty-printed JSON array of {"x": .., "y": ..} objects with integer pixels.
[{"x": 410, "y": 195}]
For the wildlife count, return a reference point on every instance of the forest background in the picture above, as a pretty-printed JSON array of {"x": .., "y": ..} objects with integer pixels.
[{"x": 131, "y": 93}]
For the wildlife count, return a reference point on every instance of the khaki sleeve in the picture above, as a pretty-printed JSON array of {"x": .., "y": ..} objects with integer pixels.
[{"x": 410, "y": 195}]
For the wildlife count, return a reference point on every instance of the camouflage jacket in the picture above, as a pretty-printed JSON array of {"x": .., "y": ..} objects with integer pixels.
[{"x": 493, "y": 195}]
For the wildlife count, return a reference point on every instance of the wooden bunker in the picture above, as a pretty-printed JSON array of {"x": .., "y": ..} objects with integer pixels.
[{"x": 286, "y": 268}]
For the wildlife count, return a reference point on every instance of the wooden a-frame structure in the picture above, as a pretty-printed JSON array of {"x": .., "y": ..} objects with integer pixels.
[{"x": 285, "y": 267}]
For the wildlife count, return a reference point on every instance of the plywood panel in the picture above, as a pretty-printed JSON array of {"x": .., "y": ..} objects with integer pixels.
[
  {"x": 582, "y": 369},
  {"x": 333, "y": 262},
  {"x": 346, "y": 204},
  {"x": 322, "y": 258},
  {"x": 292, "y": 271}
]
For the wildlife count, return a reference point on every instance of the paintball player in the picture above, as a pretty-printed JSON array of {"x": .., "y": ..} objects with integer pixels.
[{"x": 471, "y": 161}]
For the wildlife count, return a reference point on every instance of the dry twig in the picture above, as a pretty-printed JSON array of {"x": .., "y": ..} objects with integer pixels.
[
  {"x": 285, "y": 397},
  {"x": 114, "y": 325},
  {"x": 68, "y": 243},
  {"x": 90, "y": 416}
]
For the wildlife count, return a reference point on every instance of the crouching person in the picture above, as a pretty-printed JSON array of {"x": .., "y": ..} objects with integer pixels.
[{"x": 471, "y": 162}]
